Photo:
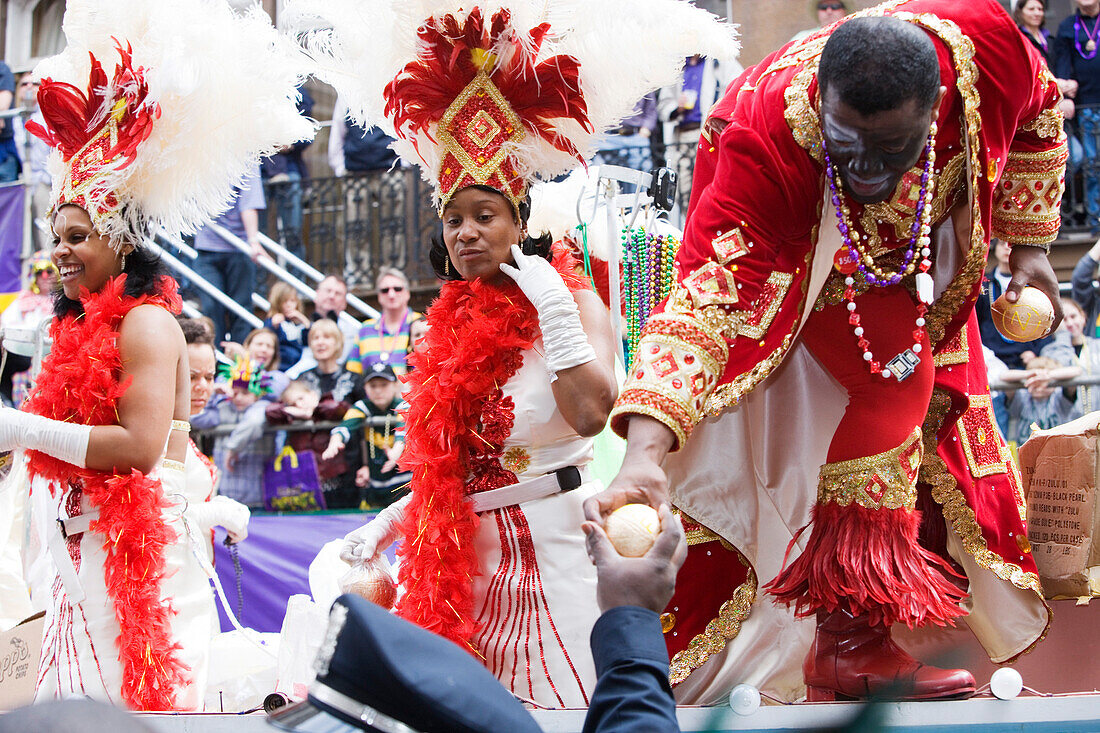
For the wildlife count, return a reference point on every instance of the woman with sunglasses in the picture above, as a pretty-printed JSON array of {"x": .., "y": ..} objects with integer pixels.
[{"x": 385, "y": 339}]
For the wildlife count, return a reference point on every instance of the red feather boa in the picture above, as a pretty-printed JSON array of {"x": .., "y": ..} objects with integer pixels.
[
  {"x": 80, "y": 383},
  {"x": 475, "y": 345}
]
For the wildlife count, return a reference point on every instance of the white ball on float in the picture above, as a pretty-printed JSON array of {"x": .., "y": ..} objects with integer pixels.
[
  {"x": 745, "y": 699},
  {"x": 1006, "y": 683}
]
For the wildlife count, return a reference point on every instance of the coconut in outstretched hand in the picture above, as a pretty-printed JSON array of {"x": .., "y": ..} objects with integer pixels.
[{"x": 632, "y": 529}]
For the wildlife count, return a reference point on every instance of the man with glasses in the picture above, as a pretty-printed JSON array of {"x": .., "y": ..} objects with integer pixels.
[
  {"x": 827, "y": 13},
  {"x": 385, "y": 340}
]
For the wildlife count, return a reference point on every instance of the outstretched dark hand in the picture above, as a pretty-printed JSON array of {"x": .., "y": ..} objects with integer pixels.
[{"x": 646, "y": 581}]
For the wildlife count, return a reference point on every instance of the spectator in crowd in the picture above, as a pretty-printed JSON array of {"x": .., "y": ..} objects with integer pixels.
[
  {"x": 227, "y": 268},
  {"x": 1078, "y": 350},
  {"x": 34, "y": 152},
  {"x": 1039, "y": 405},
  {"x": 261, "y": 346},
  {"x": 417, "y": 331},
  {"x": 385, "y": 339},
  {"x": 1030, "y": 15},
  {"x": 354, "y": 149},
  {"x": 1075, "y": 58},
  {"x": 331, "y": 302},
  {"x": 1014, "y": 354},
  {"x": 31, "y": 306},
  {"x": 825, "y": 12},
  {"x": 241, "y": 455},
  {"x": 683, "y": 107},
  {"x": 1085, "y": 290},
  {"x": 285, "y": 318},
  {"x": 629, "y": 144},
  {"x": 380, "y": 475},
  {"x": 9, "y": 156},
  {"x": 328, "y": 374},
  {"x": 302, "y": 401},
  {"x": 282, "y": 175}
]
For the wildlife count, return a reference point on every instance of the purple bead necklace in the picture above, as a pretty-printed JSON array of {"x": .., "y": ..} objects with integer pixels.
[{"x": 919, "y": 240}]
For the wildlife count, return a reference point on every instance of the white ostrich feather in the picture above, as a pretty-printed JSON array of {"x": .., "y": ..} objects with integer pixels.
[
  {"x": 626, "y": 48},
  {"x": 225, "y": 83}
]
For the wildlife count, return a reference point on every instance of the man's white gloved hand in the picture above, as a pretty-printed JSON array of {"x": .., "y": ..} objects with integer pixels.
[
  {"x": 62, "y": 440},
  {"x": 221, "y": 511},
  {"x": 366, "y": 543},
  {"x": 565, "y": 343}
]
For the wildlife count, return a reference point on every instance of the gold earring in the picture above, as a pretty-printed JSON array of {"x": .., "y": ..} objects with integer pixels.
[
  {"x": 123, "y": 260},
  {"x": 447, "y": 265}
]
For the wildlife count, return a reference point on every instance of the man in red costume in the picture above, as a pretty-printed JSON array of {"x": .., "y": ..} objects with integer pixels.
[{"x": 834, "y": 249}]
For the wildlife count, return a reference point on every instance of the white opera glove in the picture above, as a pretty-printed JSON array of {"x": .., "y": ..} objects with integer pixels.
[
  {"x": 63, "y": 440},
  {"x": 366, "y": 543},
  {"x": 221, "y": 511},
  {"x": 564, "y": 340}
]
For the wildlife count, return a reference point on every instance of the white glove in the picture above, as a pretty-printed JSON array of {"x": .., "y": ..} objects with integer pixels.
[
  {"x": 564, "y": 340},
  {"x": 221, "y": 511},
  {"x": 364, "y": 544},
  {"x": 63, "y": 440}
]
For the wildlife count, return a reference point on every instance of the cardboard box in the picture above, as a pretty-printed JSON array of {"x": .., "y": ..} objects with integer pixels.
[
  {"x": 1060, "y": 470},
  {"x": 20, "y": 649}
]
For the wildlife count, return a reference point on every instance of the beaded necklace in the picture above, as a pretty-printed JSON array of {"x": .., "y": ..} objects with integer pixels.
[
  {"x": 1089, "y": 51},
  {"x": 904, "y": 364},
  {"x": 647, "y": 278}
]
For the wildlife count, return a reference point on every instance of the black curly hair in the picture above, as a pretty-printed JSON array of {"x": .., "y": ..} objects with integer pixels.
[{"x": 539, "y": 245}]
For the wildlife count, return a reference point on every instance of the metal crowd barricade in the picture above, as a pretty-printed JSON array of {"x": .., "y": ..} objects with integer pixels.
[{"x": 1085, "y": 380}]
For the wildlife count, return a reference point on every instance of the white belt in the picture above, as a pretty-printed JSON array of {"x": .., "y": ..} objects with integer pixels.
[
  {"x": 536, "y": 488},
  {"x": 67, "y": 527}
]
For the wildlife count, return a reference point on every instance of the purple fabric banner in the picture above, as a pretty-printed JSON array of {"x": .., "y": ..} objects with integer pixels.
[
  {"x": 275, "y": 562},
  {"x": 11, "y": 237}
]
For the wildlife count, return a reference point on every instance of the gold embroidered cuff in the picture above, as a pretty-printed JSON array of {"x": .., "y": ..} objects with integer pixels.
[
  {"x": 1027, "y": 200},
  {"x": 181, "y": 425},
  {"x": 884, "y": 481},
  {"x": 678, "y": 363}
]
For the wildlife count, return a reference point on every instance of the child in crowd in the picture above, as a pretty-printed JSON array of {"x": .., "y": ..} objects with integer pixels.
[
  {"x": 1038, "y": 405},
  {"x": 301, "y": 401},
  {"x": 380, "y": 477},
  {"x": 261, "y": 346},
  {"x": 285, "y": 318},
  {"x": 240, "y": 456}
]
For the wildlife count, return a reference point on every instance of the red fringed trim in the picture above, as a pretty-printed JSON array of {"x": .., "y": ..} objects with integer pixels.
[
  {"x": 80, "y": 383},
  {"x": 870, "y": 562},
  {"x": 475, "y": 345}
]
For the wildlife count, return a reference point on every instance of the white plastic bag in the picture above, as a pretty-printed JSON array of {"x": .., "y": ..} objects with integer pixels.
[
  {"x": 303, "y": 631},
  {"x": 372, "y": 580}
]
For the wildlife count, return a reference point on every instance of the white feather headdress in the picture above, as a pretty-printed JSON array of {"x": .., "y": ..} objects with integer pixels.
[
  {"x": 511, "y": 90},
  {"x": 198, "y": 95}
]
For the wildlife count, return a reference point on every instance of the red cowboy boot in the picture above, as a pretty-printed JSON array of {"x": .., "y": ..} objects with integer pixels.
[{"x": 850, "y": 659}]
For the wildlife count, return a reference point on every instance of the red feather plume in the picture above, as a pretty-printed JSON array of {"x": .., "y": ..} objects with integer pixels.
[
  {"x": 538, "y": 91},
  {"x": 73, "y": 117}
]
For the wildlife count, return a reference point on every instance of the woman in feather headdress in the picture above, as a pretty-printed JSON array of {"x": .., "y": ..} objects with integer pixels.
[
  {"x": 104, "y": 433},
  {"x": 516, "y": 373}
]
